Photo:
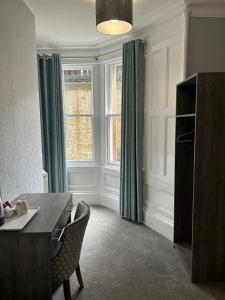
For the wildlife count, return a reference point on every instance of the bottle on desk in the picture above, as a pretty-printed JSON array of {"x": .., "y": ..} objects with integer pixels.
[{"x": 1, "y": 211}]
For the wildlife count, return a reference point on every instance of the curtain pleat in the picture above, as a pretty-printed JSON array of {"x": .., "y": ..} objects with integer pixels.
[
  {"x": 52, "y": 121},
  {"x": 132, "y": 132}
]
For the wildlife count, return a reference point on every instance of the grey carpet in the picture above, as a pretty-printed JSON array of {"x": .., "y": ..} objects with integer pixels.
[{"x": 125, "y": 261}]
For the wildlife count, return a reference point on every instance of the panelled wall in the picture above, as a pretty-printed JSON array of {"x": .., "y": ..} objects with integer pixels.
[
  {"x": 110, "y": 187},
  {"x": 84, "y": 182},
  {"x": 164, "y": 68}
]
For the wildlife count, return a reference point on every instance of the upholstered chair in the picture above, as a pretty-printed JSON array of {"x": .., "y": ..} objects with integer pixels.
[{"x": 66, "y": 260}]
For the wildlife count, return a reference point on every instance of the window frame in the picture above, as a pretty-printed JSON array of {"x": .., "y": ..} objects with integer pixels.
[
  {"x": 108, "y": 114},
  {"x": 81, "y": 163}
]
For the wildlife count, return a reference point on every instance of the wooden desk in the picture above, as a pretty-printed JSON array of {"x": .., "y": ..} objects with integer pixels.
[{"x": 25, "y": 256}]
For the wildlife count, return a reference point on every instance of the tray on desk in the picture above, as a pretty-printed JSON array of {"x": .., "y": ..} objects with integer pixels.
[{"x": 16, "y": 223}]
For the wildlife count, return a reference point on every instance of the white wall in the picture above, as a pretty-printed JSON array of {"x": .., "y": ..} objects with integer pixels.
[
  {"x": 20, "y": 140},
  {"x": 164, "y": 69}
]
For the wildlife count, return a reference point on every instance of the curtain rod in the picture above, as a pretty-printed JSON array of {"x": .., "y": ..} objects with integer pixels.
[{"x": 95, "y": 56}]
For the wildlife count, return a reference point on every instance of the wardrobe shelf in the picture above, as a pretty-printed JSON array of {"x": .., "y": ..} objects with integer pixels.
[{"x": 186, "y": 116}]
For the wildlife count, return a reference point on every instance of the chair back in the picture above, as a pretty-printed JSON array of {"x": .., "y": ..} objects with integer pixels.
[{"x": 67, "y": 259}]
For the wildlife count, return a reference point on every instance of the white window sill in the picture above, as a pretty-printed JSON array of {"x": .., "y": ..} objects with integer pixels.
[
  {"x": 115, "y": 167},
  {"x": 81, "y": 164}
]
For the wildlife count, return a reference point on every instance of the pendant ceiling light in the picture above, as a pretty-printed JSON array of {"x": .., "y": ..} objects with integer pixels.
[{"x": 114, "y": 17}]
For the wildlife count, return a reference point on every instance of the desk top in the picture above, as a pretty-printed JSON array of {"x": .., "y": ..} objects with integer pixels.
[{"x": 51, "y": 205}]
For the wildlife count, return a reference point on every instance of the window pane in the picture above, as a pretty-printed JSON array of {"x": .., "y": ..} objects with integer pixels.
[
  {"x": 116, "y": 89},
  {"x": 78, "y": 92},
  {"x": 79, "y": 138},
  {"x": 115, "y": 138}
]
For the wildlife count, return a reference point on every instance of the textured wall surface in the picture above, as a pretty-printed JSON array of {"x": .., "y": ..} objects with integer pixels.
[{"x": 20, "y": 139}]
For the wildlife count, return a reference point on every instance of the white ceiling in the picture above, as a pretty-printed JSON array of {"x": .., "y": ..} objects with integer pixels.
[
  {"x": 69, "y": 22},
  {"x": 72, "y": 22}
]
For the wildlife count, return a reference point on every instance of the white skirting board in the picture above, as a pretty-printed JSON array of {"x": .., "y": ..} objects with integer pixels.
[
  {"x": 89, "y": 198},
  {"x": 110, "y": 201},
  {"x": 106, "y": 200},
  {"x": 158, "y": 223}
]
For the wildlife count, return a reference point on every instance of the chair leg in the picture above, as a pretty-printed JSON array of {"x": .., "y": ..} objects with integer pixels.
[
  {"x": 79, "y": 277},
  {"x": 66, "y": 289}
]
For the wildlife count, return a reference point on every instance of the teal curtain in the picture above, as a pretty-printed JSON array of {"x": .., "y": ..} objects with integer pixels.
[
  {"x": 132, "y": 128},
  {"x": 52, "y": 121}
]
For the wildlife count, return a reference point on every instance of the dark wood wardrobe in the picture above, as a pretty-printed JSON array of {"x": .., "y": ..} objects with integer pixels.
[{"x": 199, "y": 209}]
